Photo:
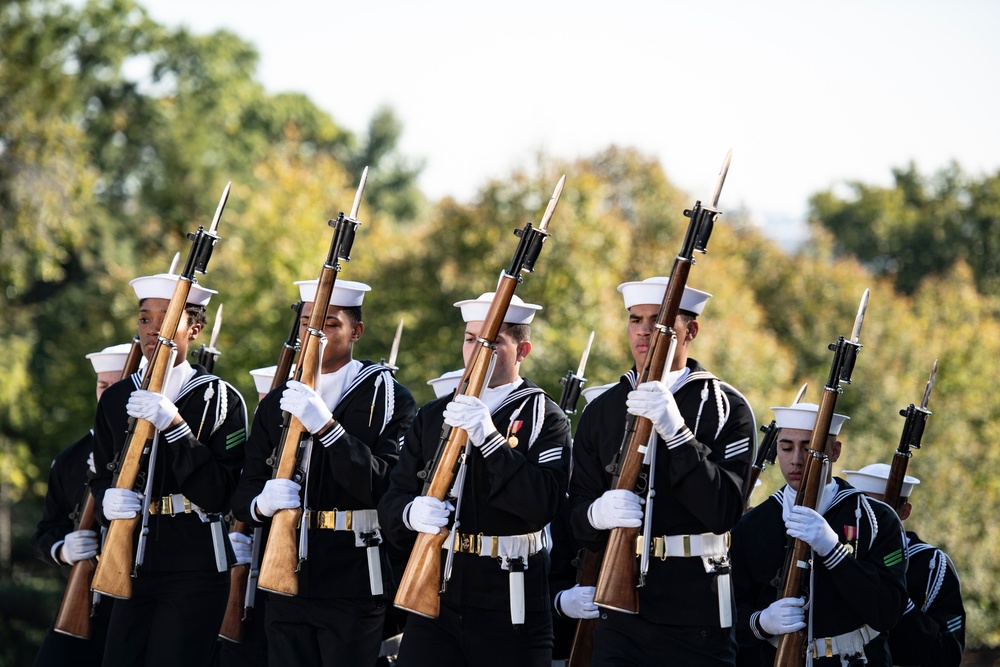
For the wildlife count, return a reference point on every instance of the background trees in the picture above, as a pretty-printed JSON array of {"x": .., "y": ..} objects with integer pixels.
[{"x": 117, "y": 136}]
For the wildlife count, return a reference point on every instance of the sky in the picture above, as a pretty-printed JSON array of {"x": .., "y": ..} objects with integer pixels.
[{"x": 809, "y": 95}]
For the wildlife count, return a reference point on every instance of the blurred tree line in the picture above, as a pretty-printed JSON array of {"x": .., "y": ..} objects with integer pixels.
[{"x": 117, "y": 136}]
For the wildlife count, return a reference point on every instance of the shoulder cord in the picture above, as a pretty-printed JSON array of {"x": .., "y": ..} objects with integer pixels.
[
  {"x": 721, "y": 404},
  {"x": 938, "y": 565}
]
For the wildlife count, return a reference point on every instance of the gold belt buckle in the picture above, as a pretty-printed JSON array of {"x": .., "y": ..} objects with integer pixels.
[
  {"x": 167, "y": 505},
  {"x": 687, "y": 545},
  {"x": 326, "y": 520},
  {"x": 465, "y": 544}
]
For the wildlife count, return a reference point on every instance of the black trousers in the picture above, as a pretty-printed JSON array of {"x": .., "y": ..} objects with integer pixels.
[
  {"x": 58, "y": 650},
  {"x": 622, "y": 640},
  {"x": 476, "y": 638},
  {"x": 312, "y": 632},
  {"x": 172, "y": 619}
]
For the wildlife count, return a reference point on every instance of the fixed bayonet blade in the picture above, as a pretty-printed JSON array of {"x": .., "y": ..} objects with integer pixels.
[
  {"x": 585, "y": 356},
  {"x": 173, "y": 263},
  {"x": 395, "y": 343},
  {"x": 356, "y": 207},
  {"x": 551, "y": 208},
  {"x": 722, "y": 179},
  {"x": 215, "y": 328},
  {"x": 930, "y": 385},
  {"x": 221, "y": 207},
  {"x": 802, "y": 392},
  {"x": 860, "y": 319}
]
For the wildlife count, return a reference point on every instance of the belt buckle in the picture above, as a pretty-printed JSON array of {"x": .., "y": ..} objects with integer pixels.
[
  {"x": 465, "y": 544},
  {"x": 326, "y": 520},
  {"x": 687, "y": 545},
  {"x": 167, "y": 505}
]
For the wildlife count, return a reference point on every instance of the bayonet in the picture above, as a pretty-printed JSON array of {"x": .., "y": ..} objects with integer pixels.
[
  {"x": 859, "y": 320},
  {"x": 722, "y": 179},
  {"x": 356, "y": 206},
  {"x": 930, "y": 385},
  {"x": 551, "y": 208},
  {"x": 395, "y": 344},
  {"x": 215, "y": 329},
  {"x": 173, "y": 263},
  {"x": 220, "y": 208},
  {"x": 585, "y": 356}
]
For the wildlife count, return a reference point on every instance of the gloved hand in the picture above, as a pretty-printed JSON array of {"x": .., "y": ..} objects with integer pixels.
[
  {"x": 616, "y": 508},
  {"x": 155, "y": 408},
  {"x": 783, "y": 616},
  {"x": 78, "y": 545},
  {"x": 470, "y": 414},
  {"x": 90, "y": 464},
  {"x": 654, "y": 401},
  {"x": 577, "y": 602},
  {"x": 308, "y": 406},
  {"x": 242, "y": 547},
  {"x": 809, "y": 526},
  {"x": 278, "y": 494},
  {"x": 427, "y": 514},
  {"x": 121, "y": 503}
]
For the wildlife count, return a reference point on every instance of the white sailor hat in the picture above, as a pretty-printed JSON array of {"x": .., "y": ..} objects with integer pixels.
[
  {"x": 873, "y": 477},
  {"x": 803, "y": 416},
  {"x": 110, "y": 359},
  {"x": 590, "y": 393},
  {"x": 518, "y": 312},
  {"x": 263, "y": 378},
  {"x": 652, "y": 290},
  {"x": 346, "y": 293},
  {"x": 447, "y": 383},
  {"x": 161, "y": 286}
]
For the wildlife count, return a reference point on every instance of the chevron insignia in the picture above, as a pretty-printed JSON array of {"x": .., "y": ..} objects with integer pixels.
[
  {"x": 895, "y": 558},
  {"x": 236, "y": 438}
]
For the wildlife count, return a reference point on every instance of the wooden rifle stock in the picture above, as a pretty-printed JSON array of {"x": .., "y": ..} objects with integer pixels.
[
  {"x": 280, "y": 563},
  {"x": 791, "y": 646},
  {"x": 232, "y": 622},
  {"x": 582, "y": 649},
  {"x": 76, "y": 608},
  {"x": 114, "y": 569},
  {"x": 418, "y": 589}
]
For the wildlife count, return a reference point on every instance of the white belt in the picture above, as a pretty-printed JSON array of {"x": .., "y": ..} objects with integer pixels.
[
  {"x": 686, "y": 546},
  {"x": 498, "y": 546},
  {"x": 848, "y": 644},
  {"x": 364, "y": 525}
]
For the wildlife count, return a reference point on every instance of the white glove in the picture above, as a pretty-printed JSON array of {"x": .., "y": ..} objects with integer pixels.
[
  {"x": 121, "y": 503},
  {"x": 242, "y": 547},
  {"x": 471, "y": 415},
  {"x": 427, "y": 514},
  {"x": 783, "y": 616},
  {"x": 654, "y": 401},
  {"x": 308, "y": 407},
  {"x": 577, "y": 602},
  {"x": 90, "y": 464},
  {"x": 278, "y": 494},
  {"x": 809, "y": 526},
  {"x": 155, "y": 408},
  {"x": 78, "y": 545},
  {"x": 616, "y": 508}
]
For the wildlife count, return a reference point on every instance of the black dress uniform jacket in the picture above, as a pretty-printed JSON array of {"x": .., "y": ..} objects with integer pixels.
[
  {"x": 932, "y": 629},
  {"x": 862, "y": 581},
  {"x": 200, "y": 458},
  {"x": 349, "y": 473},
  {"x": 698, "y": 486},
  {"x": 515, "y": 490},
  {"x": 64, "y": 497}
]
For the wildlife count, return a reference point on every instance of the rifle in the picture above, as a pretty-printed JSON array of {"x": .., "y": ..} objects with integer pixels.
[
  {"x": 767, "y": 451},
  {"x": 419, "y": 590},
  {"x": 78, "y": 603},
  {"x": 791, "y": 646},
  {"x": 573, "y": 383},
  {"x": 913, "y": 432},
  {"x": 115, "y": 568},
  {"x": 243, "y": 578},
  {"x": 616, "y": 585},
  {"x": 208, "y": 354},
  {"x": 391, "y": 362},
  {"x": 582, "y": 648},
  {"x": 282, "y": 556}
]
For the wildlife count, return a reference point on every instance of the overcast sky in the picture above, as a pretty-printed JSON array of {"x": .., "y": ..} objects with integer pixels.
[{"x": 807, "y": 94}]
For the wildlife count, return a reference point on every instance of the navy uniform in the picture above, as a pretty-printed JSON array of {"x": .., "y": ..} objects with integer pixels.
[
  {"x": 67, "y": 492},
  {"x": 857, "y": 586},
  {"x": 514, "y": 481},
  {"x": 685, "y": 608},
  {"x": 179, "y": 596},
  {"x": 931, "y": 631},
  {"x": 337, "y": 615}
]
